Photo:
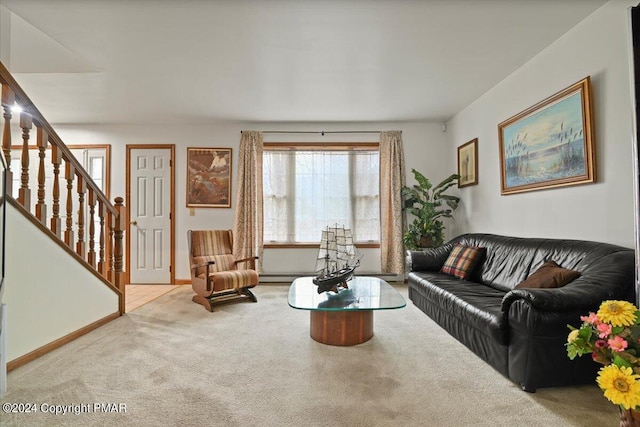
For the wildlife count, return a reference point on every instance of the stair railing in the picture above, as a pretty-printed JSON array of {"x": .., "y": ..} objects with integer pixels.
[{"x": 103, "y": 252}]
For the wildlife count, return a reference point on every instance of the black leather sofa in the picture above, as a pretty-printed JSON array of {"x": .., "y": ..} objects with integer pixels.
[{"x": 521, "y": 332}]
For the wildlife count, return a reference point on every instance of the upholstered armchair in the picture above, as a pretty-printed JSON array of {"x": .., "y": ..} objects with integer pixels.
[{"x": 214, "y": 269}]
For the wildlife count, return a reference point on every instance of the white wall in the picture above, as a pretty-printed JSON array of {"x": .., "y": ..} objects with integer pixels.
[
  {"x": 425, "y": 148},
  {"x": 5, "y": 35},
  {"x": 602, "y": 211},
  {"x": 46, "y": 294}
]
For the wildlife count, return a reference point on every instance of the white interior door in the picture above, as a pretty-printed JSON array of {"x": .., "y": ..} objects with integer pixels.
[{"x": 150, "y": 222}]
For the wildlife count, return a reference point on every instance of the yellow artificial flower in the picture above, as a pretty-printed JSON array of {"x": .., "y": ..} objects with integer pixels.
[
  {"x": 573, "y": 335},
  {"x": 617, "y": 313},
  {"x": 620, "y": 386}
]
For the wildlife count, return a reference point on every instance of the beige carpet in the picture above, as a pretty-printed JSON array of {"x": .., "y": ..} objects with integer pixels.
[{"x": 174, "y": 364}]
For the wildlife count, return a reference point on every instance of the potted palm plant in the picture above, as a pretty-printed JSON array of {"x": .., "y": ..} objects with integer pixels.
[{"x": 429, "y": 206}]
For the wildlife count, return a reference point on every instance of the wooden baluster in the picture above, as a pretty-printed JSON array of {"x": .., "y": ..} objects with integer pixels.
[
  {"x": 8, "y": 100},
  {"x": 118, "y": 250},
  {"x": 102, "y": 212},
  {"x": 112, "y": 228},
  {"x": 24, "y": 194},
  {"x": 81, "y": 187},
  {"x": 56, "y": 159},
  {"x": 41, "y": 207},
  {"x": 91, "y": 256},
  {"x": 69, "y": 173}
]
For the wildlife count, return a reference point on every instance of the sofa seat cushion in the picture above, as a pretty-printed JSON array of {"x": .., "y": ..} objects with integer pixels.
[{"x": 475, "y": 304}]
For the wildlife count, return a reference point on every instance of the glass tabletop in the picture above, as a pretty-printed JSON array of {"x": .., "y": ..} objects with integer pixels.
[{"x": 364, "y": 293}]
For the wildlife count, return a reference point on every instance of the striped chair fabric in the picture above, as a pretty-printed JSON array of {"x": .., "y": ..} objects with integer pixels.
[{"x": 216, "y": 245}]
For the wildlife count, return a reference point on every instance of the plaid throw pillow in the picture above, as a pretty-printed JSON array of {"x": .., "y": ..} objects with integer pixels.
[{"x": 462, "y": 260}]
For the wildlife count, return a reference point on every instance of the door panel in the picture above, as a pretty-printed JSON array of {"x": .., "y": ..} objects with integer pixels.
[{"x": 150, "y": 227}]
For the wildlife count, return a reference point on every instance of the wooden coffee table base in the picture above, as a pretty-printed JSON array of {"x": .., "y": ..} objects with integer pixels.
[{"x": 342, "y": 327}]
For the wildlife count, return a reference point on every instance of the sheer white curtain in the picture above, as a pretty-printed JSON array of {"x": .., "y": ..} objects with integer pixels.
[
  {"x": 277, "y": 187},
  {"x": 247, "y": 230},
  {"x": 392, "y": 179},
  {"x": 305, "y": 190}
]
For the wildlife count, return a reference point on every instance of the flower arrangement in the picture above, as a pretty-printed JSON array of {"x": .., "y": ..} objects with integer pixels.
[{"x": 612, "y": 336}]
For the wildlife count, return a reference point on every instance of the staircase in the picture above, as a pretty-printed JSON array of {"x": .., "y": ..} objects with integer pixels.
[{"x": 63, "y": 240}]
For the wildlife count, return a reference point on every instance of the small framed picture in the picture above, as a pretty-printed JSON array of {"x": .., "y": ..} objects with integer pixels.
[
  {"x": 208, "y": 177},
  {"x": 468, "y": 163}
]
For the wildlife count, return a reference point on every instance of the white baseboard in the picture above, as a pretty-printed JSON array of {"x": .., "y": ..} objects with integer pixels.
[{"x": 290, "y": 277}]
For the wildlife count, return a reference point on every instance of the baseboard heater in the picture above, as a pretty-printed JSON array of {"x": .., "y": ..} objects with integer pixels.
[{"x": 289, "y": 277}]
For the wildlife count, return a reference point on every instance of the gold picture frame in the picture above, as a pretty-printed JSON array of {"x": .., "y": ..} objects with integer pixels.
[
  {"x": 208, "y": 177},
  {"x": 468, "y": 163},
  {"x": 550, "y": 144}
]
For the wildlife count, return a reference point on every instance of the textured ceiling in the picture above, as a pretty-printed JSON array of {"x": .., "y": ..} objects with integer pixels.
[{"x": 190, "y": 61}]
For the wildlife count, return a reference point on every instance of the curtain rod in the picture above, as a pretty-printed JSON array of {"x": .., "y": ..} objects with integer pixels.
[{"x": 321, "y": 132}]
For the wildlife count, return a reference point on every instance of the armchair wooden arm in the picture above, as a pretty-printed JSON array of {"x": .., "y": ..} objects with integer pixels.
[
  {"x": 194, "y": 268},
  {"x": 207, "y": 264},
  {"x": 250, "y": 259}
]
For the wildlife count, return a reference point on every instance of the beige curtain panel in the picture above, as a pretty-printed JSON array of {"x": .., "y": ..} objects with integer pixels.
[
  {"x": 247, "y": 230},
  {"x": 392, "y": 179}
]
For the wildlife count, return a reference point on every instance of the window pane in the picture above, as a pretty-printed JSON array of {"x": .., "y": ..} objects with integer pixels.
[
  {"x": 275, "y": 194},
  {"x": 366, "y": 200},
  {"x": 321, "y": 193},
  {"x": 307, "y": 190}
]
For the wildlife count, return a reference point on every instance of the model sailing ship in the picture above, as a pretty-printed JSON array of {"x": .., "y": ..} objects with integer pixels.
[{"x": 337, "y": 259}]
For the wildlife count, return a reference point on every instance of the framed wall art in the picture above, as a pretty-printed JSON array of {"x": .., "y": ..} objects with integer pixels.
[
  {"x": 209, "y": 177},
  {"x": 550, "y": 144},
  {"x": 468, "y": 163}
]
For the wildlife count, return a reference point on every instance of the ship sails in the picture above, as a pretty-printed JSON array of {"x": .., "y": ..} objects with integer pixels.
[{"x": 337, "y": 257}]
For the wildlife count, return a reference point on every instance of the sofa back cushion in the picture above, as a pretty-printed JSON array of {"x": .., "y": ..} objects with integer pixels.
[{"x": 509, "y": 261}]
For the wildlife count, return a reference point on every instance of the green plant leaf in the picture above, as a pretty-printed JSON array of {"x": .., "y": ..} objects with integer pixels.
[
  {"x": 620, "y": 362},
  {"x": 427, "y": 205},
  {"x": 423, "y": 182}
]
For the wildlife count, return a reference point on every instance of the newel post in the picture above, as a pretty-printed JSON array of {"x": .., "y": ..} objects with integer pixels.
[{"x": 118, "y": 251}]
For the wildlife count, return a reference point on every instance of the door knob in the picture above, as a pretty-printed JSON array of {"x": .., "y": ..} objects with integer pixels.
[{"x": 134, "y": 222}]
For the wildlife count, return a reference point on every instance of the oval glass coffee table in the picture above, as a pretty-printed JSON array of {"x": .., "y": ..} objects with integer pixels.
[{"x": 345, "y": 318}]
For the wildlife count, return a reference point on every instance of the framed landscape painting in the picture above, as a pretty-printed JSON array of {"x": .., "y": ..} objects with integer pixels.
[
  {"x": 209, "y": 177},
  {"x": 468, "y": 163},
  {"x": 550, "y": 144}
]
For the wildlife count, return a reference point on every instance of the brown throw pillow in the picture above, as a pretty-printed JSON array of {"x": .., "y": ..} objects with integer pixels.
[
  {"x": 462, "y": 260},
  {"x": 549, "y": 275}
]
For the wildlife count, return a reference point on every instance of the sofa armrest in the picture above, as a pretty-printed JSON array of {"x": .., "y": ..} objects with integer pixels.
[
  {"x": 610, "y": 277},
  {"x": 578, "y": 295},
  {"x": 430, "y": 259}
]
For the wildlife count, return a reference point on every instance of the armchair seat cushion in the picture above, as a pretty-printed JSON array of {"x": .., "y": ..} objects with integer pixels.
[
  {"x": 221, "y": 263},
  {"x": 232, "y": 279}
]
